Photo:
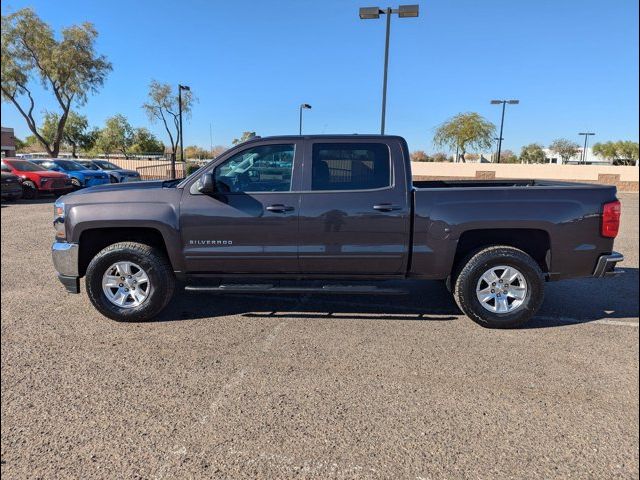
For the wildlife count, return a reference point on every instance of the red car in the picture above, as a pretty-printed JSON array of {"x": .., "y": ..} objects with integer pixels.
[{"x": 36, "y": 179}]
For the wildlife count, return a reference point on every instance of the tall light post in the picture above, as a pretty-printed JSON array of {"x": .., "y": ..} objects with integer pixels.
[
  {"x": 303, "y": 106},
  {"x": 504, "y": 103},
  {"x": 403, "y": 11},
  {"x": 584, "y": 151},
  {"x": 180, "y": 89}
]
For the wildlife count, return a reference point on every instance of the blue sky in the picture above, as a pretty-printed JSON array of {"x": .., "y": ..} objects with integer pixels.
[{"x": 572, "y": 63}]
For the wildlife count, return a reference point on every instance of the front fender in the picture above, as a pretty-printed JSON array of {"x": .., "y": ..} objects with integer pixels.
[{"x": 162, "y": 217}]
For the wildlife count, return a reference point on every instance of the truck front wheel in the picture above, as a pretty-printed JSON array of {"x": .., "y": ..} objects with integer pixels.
[
  {"x": 499, "y": 287},
  {"x": 130, "y": 282}
]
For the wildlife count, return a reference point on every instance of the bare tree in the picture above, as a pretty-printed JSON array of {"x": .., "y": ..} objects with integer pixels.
[
  {"x": 163, "y": 107},
  {"x": 565, "y": 148}
]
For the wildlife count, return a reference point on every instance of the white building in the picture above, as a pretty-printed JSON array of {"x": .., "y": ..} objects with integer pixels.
[{"x": 591, "y": 158}]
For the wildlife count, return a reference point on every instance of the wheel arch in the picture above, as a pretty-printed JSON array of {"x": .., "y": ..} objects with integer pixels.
[
  {"x": 93, "y": 240},
  {"x": 534, "y": 242}
]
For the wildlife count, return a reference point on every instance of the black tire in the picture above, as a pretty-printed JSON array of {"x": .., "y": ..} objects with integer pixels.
[
  {"x": 466, "y": 282},
  {"x": 29, "y": 190},
  {"x": 76, "y": 183},
  {"x": 152, "y": 261}
]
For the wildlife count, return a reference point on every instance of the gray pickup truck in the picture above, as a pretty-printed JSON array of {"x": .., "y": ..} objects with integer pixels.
[{"x": 331, "y": 214}]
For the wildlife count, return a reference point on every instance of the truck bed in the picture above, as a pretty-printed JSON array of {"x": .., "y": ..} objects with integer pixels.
[
  {"x": 563, "y": 216},
  {"x": 429, "y": 184}
]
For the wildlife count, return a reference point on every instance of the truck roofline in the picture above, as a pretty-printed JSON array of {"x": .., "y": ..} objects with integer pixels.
[{"x": 339, "y": 136}]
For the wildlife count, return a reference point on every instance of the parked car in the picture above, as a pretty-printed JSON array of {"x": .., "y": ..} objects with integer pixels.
[
  {"x": 116, "y": 174},
  {"x": 11, "y": 184},
  {"x": 80, "y": 176},
  {"x": 343, "y": 209},
  {"x": 36, "y": 179}
]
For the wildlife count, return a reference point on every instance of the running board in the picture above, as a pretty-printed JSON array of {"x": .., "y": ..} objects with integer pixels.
[{"x": 267, "y": 288}]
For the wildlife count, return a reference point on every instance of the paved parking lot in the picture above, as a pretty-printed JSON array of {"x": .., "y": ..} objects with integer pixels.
[{"x": 337, "y": 387}]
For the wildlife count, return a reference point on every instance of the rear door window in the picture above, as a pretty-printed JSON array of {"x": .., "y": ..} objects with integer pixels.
[{"x": 350, "y": 166}]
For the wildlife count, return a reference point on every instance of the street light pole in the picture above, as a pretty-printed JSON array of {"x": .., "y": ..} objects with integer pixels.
[
  {"x": 303, "y": 106},
  {"x": 504, "y": 103},
  {"x": 173, "y": 163},
  {"x": 386, "y": 68},
  {"x": 403, "y": 11},
  {"x": 584, "y": 151}
]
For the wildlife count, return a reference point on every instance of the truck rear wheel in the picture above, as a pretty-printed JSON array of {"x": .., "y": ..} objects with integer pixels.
[
  {"x": 499, "y": 287},
  {"x": 130, "y": 282}
]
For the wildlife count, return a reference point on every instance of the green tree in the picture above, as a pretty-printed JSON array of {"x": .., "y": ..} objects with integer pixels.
[
  {"x": 146, "y": 142},
  {"x": 621, "y": 152},
  {"x": 566, "y": 149},
  {"x": 244, "y": 137},
  {"x": 162, "y": 106},
  {"x": 30, "y": 145},
  {"x": 532, "y": 153},
  {"x": 193, "y": 151},
  {"x": 465, "y": 131},
  {"x": 607, "y": 150},
  {"x": 76, "y": 134},
  {"x": 628, "y": 152},
  {"x": 20, "y": 144},
  {"x": 69, "y": 67},
  {"x": 117, "y": 136}
]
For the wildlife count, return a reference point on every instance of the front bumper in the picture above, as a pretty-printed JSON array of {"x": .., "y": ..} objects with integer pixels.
[
  {"x": 65, "y": 261},
  {"x": 11, "y": 189},
  {"x": 55, "y": 187},
  {"x": 606, "y": 266}
]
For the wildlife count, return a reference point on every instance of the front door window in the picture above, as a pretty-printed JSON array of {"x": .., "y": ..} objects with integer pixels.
[{"x": 266, "y": 168}]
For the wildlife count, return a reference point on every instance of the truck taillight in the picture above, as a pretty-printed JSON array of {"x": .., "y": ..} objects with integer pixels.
[{"x": 610, "y": 219}]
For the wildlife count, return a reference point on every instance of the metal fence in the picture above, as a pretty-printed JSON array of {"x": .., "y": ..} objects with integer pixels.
[{"x": 161, "y": 171}]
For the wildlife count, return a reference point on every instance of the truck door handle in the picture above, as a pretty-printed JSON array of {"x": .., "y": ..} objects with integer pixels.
[
  {"x": 386, "y": 207},
  {"x": 279, "y": 208}
]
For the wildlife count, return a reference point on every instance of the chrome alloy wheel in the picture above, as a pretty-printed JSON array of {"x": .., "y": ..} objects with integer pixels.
[
  {"x": 501, "y": 289},
  {"x": 126, "y": 285}
]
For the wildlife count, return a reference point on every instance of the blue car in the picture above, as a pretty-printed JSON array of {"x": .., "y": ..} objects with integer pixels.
[{"x": 80, "y": 176}]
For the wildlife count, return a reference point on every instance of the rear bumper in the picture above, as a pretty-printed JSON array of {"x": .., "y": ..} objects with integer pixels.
[
  {"x": 65, "y": 261},
  {"x": 606, "y": 266}
]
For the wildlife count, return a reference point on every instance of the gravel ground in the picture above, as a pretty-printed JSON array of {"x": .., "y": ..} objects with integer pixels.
[{"x": 314, "y": 387}]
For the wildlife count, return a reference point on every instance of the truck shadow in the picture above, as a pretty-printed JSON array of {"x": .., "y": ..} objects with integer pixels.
[
  {"x": 23, "y": 201},
  {"x": 566, "y": 302}
]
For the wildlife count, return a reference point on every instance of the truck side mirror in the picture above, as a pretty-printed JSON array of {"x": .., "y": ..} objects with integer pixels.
[{"x": 206, "y": 183}]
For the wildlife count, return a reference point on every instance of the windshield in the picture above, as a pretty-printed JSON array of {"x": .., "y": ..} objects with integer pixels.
[
  {"x": 24, "y": 166},
  {"x": 107, "y": 165},
  {"x": 89, "y": 165},
  {"x": 69, "y": 166}
]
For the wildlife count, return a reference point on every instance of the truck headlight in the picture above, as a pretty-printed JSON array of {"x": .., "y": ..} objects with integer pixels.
[{"x": 58, "y": 219}]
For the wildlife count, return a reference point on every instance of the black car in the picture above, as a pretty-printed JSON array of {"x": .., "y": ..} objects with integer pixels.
[{"x": 11, "y": 185}]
